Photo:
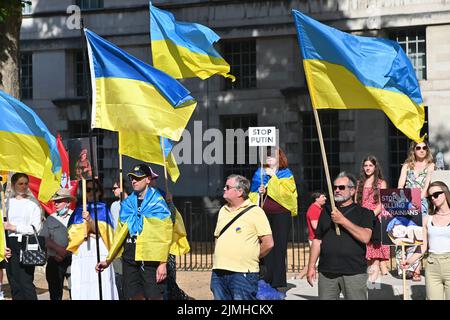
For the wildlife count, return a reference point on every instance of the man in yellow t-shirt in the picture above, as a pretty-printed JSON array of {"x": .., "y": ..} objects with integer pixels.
[{"x": 239, "y": 248}]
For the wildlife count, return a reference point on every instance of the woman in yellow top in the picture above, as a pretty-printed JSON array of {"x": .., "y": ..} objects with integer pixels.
[{"x": 279, "y": 198}]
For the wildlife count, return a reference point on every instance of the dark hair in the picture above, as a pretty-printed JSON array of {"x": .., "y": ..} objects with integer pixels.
[
  {"x": 377, "y": 174},
  {"x": 316, "y": 194},
  {"x": 16, "y": 176},
  {"x": 98, "y": 187},
  {"x": 444, "y": 188}
]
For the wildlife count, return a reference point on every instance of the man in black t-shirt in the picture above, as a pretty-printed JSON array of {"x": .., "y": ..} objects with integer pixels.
[{"x": 342, "y": 266}]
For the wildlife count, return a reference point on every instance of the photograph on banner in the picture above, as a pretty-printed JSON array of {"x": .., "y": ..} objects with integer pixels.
[
  {"x": 80, "y": 158},
  {"x": 401, "y": 220}
]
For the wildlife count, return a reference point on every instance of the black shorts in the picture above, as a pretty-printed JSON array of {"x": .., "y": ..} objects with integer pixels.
[
  {"x": 3, "y": 264},
  {"x": 139, "y": 279}
]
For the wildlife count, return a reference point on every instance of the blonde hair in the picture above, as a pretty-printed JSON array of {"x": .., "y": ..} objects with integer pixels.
[{"x": 411, "y": 159}]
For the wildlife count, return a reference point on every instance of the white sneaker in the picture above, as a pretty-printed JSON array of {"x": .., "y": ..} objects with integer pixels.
[{"x": 2, "y": 297}]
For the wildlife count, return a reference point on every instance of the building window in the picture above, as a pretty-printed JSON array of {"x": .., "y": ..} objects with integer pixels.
[
  {"x": 413, "y": 43},
  {"x": 90, "y": 4},
  {"x": 313, "y": 171},
  {"x": 398, "y": 149},
  {"x": 245, "y": 167},
  {"x": 241, "y": 55},
  {"x": 26, "y": 7},
  {"x": 80, "y": 80},
  {"x": 26, "y": 75}
]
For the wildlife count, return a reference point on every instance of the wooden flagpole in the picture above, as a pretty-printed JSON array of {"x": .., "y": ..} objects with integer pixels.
[
  {"x": 121, "y": 176},
  {"x": 404, "y": 272},
  {"x": 325, "y": 165},
  {"x": 261, "y": 196}
]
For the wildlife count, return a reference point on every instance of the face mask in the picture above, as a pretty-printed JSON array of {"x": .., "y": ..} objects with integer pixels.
[{"x": 62, "y": 212}]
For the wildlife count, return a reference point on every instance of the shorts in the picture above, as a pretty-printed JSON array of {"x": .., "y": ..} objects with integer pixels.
[
  {"x": 139, "y": 279},
  {"x": 3, "y": 264}
]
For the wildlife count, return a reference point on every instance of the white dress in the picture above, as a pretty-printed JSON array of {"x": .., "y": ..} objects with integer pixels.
[{"x": 84, "y": 278}]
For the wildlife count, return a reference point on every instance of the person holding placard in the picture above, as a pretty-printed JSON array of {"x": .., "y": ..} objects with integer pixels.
[
  {"x": 436, "y": 238},
  {"x": 368, "y": 196},
  {"x": 279, "y": 194},
  {"x": 416, "y": 173}
]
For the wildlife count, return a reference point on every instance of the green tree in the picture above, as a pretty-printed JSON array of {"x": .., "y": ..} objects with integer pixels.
[{"x": 10, "y": 23}]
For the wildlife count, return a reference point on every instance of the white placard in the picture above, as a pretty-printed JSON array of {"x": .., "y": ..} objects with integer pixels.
[{"x": 262, "y": 136}]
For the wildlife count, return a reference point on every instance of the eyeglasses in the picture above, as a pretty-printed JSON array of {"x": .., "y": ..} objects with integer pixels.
[
  {"x": 341, "y": 187},
  {"x": 435, "y": 195},
  {"x": 227, "y": 187},
  {"x": 424, "y": 148},
  {"x": 136, "y": 178}
]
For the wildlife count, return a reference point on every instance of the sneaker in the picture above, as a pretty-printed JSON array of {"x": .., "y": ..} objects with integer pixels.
[{"x": 2, "y": 296}]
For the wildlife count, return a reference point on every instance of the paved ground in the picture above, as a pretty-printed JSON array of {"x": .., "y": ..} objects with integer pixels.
[{"x": 196, "y": 284}]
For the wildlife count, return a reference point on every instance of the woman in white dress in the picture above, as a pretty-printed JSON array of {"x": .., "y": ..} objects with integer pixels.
[{"x": 82, "y": 242}]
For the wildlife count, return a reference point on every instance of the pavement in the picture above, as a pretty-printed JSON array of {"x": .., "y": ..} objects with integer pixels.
[{"x": 388, "y": 287}]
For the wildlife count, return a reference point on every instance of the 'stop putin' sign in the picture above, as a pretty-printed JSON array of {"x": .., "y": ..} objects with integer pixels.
[{"x": 262, "y": 136}]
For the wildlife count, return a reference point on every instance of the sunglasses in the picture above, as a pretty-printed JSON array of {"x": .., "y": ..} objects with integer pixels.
[
  {"x": 136, "y": 178},
  {"x": 435, "y": 195},
  {"x": 424, "y": 148},
  {"x": 227, "y": 187},
  {"x": 340, "y": 187}
]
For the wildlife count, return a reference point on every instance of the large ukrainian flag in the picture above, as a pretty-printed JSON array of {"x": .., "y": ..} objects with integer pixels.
[
  {"x": 130, "y": 95},
  {"x": 148, "y": 148},
  {"x": 26, "y": 145},
  {"x": 184, "y": 50},
  {"x": 344, "y": 71}
]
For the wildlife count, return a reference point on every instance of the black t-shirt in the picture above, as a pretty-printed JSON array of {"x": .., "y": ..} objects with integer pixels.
[
  {"x": 129, "y": 248},
  {"x": 343, "y": 254}
]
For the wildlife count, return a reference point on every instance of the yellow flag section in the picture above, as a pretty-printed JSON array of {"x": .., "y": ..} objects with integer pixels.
[
  {"x": 130, "y": 95},
  {"x": 147, "y": 147},
  {"x": 2, "y": 241},
  {"x": 280, "y": 187},
  {"x": 180, "y": 244}
]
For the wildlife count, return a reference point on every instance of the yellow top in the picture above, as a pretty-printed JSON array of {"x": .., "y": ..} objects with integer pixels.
[{"x": 238, "y": 247}]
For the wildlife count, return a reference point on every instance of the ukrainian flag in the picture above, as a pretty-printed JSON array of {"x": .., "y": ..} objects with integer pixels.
[
  {"x": 184, "y": 50},
  {"x": 77, "y": 226},
  {"x": 344, "y": 71},
  {"x": 148, "y": 148},
  {"x": 26, "y": 145},
  {"x": 130, "y": 95},
  {"x": 280, "y": 187}
]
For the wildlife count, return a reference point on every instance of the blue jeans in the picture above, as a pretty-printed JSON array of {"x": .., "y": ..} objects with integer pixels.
[{"x": 228, "y": 285}]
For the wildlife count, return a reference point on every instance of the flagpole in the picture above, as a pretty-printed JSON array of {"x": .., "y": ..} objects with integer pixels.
[
  {"x": 325, "y": 165},
  {"x": 4, "y": 212},
  {"x": 121, "y": 176},
  {"x": 165, "y": 165},
  {"x": 261, "y": 196},
  {"x": 83, "y": 195},
  {"x": 93, "y": 163}
]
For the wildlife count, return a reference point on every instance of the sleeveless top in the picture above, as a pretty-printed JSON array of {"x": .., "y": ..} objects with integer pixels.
[
  {"x": 438, "y": 238},
  {"x": 416, "y": 182}
]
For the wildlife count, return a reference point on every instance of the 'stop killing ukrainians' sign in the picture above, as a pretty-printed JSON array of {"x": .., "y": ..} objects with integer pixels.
[{"x": 262, "y": 136}]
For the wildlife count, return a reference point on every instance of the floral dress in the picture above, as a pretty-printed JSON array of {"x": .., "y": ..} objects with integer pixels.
[{"x": 374, "y": 251}]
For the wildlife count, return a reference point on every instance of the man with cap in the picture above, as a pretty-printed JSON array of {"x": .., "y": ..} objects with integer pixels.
[
  {"x": 143, "y": 238},
  {"x": 56, "y": 240}
]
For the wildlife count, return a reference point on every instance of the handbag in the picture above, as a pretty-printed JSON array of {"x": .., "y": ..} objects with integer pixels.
[{"x": 33, "y": 254}]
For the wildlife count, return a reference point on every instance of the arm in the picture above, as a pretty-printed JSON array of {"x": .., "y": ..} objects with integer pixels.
[
  {"x": 359, "y": 233},
  {"x": 377, "y": 210},
  {"x": 266, "y": 244},
  {"x": 427, "y": 180},
  {"x": 61, "y": 251},
  {"x": 402, "y": 179},
  {"x": 313, "y": 256},
  {"x": 314, "y": 224}
]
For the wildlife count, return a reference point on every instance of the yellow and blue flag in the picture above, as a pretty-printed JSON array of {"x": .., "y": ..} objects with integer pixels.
[
  {"x": 28, "y": 146},
  {"x": 280, "y": 187},
  {"x": 148, "y": 148},
  {"x": 130, "y": 95},
  {"x": 184, "y": 50},
  {"x": 77, "y": 226},
  {"x": 345, "y": 71}
]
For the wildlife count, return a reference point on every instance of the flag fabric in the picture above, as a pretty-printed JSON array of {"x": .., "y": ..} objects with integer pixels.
[
  {"x": 345, "y": 71},
  {"x": 184, "y": 50},
  {"x": 28, "y": 146},
  {"x": 35, "y": 183},
  {"x": 130, "y": 95},
  {"x": 2, "y": 237},
  {"x": 77, "y": 226},
  {"x": 280, "y": 187},
  {"x": 148, "y": 148}
]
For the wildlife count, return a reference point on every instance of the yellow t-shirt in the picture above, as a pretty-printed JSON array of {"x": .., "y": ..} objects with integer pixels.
[{"x": 238, "y": 247}]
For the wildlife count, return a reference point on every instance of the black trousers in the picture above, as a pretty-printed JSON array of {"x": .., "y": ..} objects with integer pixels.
[
  {"x": 55, "y": 272},
  {"x": 274, "y": 264},
  {"x": 20, "y": 278}
]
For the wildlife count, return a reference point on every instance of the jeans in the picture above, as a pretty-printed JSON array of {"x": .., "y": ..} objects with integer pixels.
[{"x": 229, "y": 285}]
